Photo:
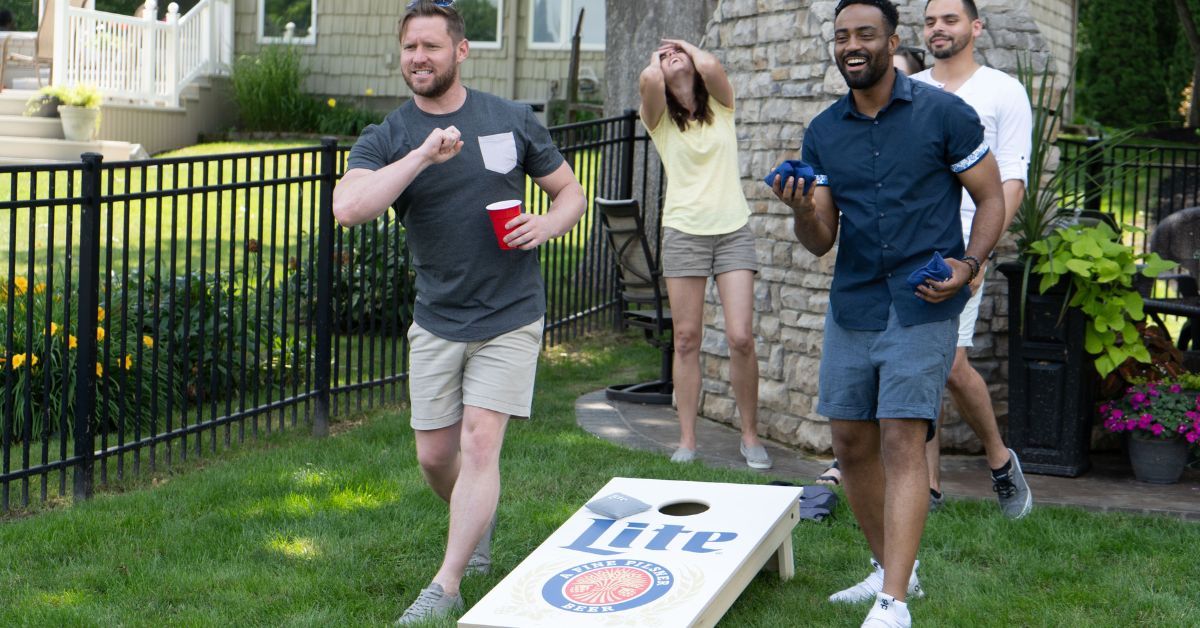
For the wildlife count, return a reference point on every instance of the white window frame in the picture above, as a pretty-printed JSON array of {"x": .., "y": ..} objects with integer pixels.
[
  {"x": 499, "y": 43},
  {"x": 308, "y": 40},
  {"x": 568, "y": 31}
]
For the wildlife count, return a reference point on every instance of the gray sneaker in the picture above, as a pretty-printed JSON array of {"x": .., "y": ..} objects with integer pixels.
[
  {"x": 431, "y": 603},
  {"x": 936, "y": 500},
  {"x": 1016, "y": 500},
  {"x": 756, "y": 456},
  {"x": 480, "y": 562},
  {"x": 683, "y": 454}
]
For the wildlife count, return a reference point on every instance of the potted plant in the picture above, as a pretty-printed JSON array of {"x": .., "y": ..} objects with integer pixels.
[
  {"x": 1072, "y": 302},
  {"x": 1162, "y": 420},
  {"x": 78, "y": 107},
  {"x": 42, "y": 104}
]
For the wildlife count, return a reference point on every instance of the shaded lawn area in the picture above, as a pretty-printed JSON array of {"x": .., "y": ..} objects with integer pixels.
[{"x": 292, "y": 531}]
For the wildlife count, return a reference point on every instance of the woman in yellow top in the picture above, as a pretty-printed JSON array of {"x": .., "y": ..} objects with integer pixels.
[{"x": 687, "y": 106}]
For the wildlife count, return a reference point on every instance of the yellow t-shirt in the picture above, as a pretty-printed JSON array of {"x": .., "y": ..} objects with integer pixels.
[{"x": 704, "y": 191}]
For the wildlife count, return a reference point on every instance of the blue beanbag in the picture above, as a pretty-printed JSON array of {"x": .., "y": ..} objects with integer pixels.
[
  {"x": 937, "y": 269},
  {"x": 792, "y": 168}
]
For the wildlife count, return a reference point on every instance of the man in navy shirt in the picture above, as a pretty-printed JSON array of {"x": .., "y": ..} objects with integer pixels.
[{"x": 891, "y": 159}]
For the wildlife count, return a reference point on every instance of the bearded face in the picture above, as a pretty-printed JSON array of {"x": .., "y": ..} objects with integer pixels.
[{"x": 862, "y": 46}]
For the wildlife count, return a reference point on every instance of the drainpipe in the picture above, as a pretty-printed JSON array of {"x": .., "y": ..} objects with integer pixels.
[{"x": 514, "y": 10}]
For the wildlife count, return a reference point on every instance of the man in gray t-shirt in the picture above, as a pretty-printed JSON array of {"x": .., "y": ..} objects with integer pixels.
[{"x": 440, "y": 159}]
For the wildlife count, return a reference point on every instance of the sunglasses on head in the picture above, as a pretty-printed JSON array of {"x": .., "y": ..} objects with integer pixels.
[{"x": 440, "y": 3}]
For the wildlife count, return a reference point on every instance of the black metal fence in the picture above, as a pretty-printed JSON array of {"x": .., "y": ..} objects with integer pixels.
[
  {"x": 1137, "y": 184},
  {"x": 161, "y": 309}
]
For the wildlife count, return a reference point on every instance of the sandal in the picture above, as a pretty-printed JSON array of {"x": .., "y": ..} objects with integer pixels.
[{"x": 832, "y": 475}]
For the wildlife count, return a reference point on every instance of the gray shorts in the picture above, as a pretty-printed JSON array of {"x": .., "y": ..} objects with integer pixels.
[
  {"x": 897, "y": 373},
  {"x": 687, "y": 255},
  {"x": 495, "y": 374}
]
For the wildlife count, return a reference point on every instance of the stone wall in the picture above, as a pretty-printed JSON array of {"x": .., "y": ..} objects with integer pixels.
[{"x": 779, "y": 57}]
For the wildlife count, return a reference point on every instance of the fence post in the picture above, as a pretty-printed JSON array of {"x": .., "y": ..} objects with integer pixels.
[
  {"x": 172, "y": 55},
  {"x": 628, "y": 133},
  {"x": 150, "y": 51},
  {"x": 324, "y": 348},
  {"x": 1095, "y": 171},
  {"x": 88, "y": 300}
]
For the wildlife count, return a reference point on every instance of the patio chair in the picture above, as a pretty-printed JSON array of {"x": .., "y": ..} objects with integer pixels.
[
  {"x": 1177, "y": 238},
  {"x": 643, "y": 294},
  {"x": 43, "y": 45}
]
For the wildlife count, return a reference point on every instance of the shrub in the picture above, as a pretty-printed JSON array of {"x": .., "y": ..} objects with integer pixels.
[
  {"x": 43, "y": 371},
  {"x": 266, "y": 88},
  {"x": 337, "y": 118}
]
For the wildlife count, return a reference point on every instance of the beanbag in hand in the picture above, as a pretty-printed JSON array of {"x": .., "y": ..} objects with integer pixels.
[
  {"x": 937, "y": 269},
  {"x": 792, "y": 168}
]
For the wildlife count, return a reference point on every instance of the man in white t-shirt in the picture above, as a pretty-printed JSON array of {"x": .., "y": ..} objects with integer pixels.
[{"x": 1002, "y": 103}]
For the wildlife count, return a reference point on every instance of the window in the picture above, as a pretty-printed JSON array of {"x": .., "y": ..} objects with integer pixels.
[
  {"x": 275, "y": 15},
  {"x": 484, "y": 20},
  {"x": 553, "y": 23}
]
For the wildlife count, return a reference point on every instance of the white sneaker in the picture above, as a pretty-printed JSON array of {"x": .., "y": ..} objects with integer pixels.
[
  {"x": 872, "y": 586},
  {"x": 888, "y": 613}
]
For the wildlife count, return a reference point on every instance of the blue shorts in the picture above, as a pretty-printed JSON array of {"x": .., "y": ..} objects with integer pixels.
[{"x": 897, "y": 373}]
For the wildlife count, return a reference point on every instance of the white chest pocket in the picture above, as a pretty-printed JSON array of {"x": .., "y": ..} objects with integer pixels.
[{"x": 499, "y": 152}]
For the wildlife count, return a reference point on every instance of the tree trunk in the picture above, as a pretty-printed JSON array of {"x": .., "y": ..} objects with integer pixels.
[{"x": 1193, "y": 37}]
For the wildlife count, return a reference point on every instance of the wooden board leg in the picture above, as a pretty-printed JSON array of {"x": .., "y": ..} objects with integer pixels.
[{"x": 785, "y": 561}]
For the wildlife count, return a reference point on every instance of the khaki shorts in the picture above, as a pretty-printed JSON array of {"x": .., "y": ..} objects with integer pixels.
[
  {"x": 686, "y": 255},
  {"x": 495, "y": 374}
]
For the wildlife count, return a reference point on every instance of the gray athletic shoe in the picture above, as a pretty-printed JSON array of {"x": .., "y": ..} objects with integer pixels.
[
  {"x": 756, "y": 456},
  {"x": 683, "y": 454},
  {"x": 936, "y": 500},
  {"x": 480, "y": 562},
  {"x": 1016, "y": 500},
  {"x": 431, "y": 603}
]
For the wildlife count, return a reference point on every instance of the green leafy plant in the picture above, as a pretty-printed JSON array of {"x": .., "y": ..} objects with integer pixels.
[
  {"x": 79, "y": 95},
  {"x": 1100, "y": 271},
  {"x": 266, "y": 88}
]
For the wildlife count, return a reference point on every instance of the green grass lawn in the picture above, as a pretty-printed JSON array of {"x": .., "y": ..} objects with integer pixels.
[{"x": 292, "y": 531}]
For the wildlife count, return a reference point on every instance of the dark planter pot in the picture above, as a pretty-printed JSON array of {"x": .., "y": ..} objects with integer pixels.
[
  {"x": 1051, "y": 379},
  {"x": 44, "y": 107},
  {"x": 1157, "y": 460}
]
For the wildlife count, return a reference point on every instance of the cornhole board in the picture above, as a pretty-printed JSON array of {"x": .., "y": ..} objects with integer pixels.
[{"x": 653, "y": 568}]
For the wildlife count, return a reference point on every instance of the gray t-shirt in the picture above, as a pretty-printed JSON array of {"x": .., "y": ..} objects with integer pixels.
[{"x": 467, "y": 288}]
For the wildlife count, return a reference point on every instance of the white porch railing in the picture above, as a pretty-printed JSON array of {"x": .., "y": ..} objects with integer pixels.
[{"x": 142, "y": 59}]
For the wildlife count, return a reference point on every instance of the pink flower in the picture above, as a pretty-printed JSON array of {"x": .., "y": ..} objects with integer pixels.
[
  {"x": 1193, "y": 437},
  {"x": 1176, "y": 388},
  {"x": 1129, "y": 425},
  {"x": 1145, "y": 420},
  {"x": 1118, "y": 414},
  {"x": 1157, "y": 429}
]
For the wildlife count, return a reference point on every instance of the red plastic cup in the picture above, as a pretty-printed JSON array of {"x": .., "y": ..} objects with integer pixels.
[{"x": 501, "y": 212}]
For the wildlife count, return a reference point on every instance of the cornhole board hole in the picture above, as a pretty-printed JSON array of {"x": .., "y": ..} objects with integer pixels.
[{"x": 682, "y": 562}]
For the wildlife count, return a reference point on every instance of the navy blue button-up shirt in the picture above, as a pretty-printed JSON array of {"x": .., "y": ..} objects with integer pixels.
[{"x": 893, "y": 179}]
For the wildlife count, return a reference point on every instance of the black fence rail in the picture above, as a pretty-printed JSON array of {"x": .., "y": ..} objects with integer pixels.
[
  {"x": 1139, "y": 185},
  {"x": 162, "y": 309}
]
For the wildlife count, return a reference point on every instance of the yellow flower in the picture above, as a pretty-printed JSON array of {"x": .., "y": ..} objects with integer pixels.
[
  {"x": 128, "y": 361},
  {"x": 21, "y": 284},
  {"x": 39, "y": 288},
  {"x": 332, "y": 102},
  {"x": 21, "y": 358},
  {"x": 148, "y": 341},
  {"x": 370, "y": 92},
  {"x": 99, "y": 315},
  {"x": 99, "y": 370},
  {"x": 99, "y": 334},
  {"x": 72, "y": 342},
  {"x": 53, "y": 329}
]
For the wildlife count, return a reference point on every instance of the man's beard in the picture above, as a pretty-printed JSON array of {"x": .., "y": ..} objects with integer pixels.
[
  {"x": 956, "y": 46},
  {"x": 876, "y": 69},
  {"x": 440, "y": 85}
]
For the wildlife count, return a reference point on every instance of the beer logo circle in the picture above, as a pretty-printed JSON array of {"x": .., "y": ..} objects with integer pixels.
[{"x": 607, "y": 587}]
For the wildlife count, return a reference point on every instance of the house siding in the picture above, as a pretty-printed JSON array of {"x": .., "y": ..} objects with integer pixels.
[{"x": 356, "y": 49}]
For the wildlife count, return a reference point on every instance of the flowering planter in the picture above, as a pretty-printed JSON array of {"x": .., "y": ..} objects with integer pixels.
[
  {"x": 1157, "y": 460},
  {"x": 1051, "y": 380}
]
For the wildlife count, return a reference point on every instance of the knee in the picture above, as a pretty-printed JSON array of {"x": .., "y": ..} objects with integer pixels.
[
  {"x": 481, "y": 447},
  {"x": 849, "y": 449},
  {"x": 436, "y": 461},
  {"x": 687, "y": 341},
  {"x": 960, "y": 373},
  {"x": 740, "y": 341}
]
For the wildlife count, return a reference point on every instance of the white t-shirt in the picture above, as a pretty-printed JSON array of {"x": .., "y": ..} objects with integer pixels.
[{"x": 1003, "y": 107}]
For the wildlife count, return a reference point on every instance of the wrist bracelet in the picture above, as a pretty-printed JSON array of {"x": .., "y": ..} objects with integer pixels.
[{"x": 973, "y": 262}]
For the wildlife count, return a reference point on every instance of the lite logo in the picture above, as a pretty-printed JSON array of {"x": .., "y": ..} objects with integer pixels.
[{"x": 600, "y": 538}]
